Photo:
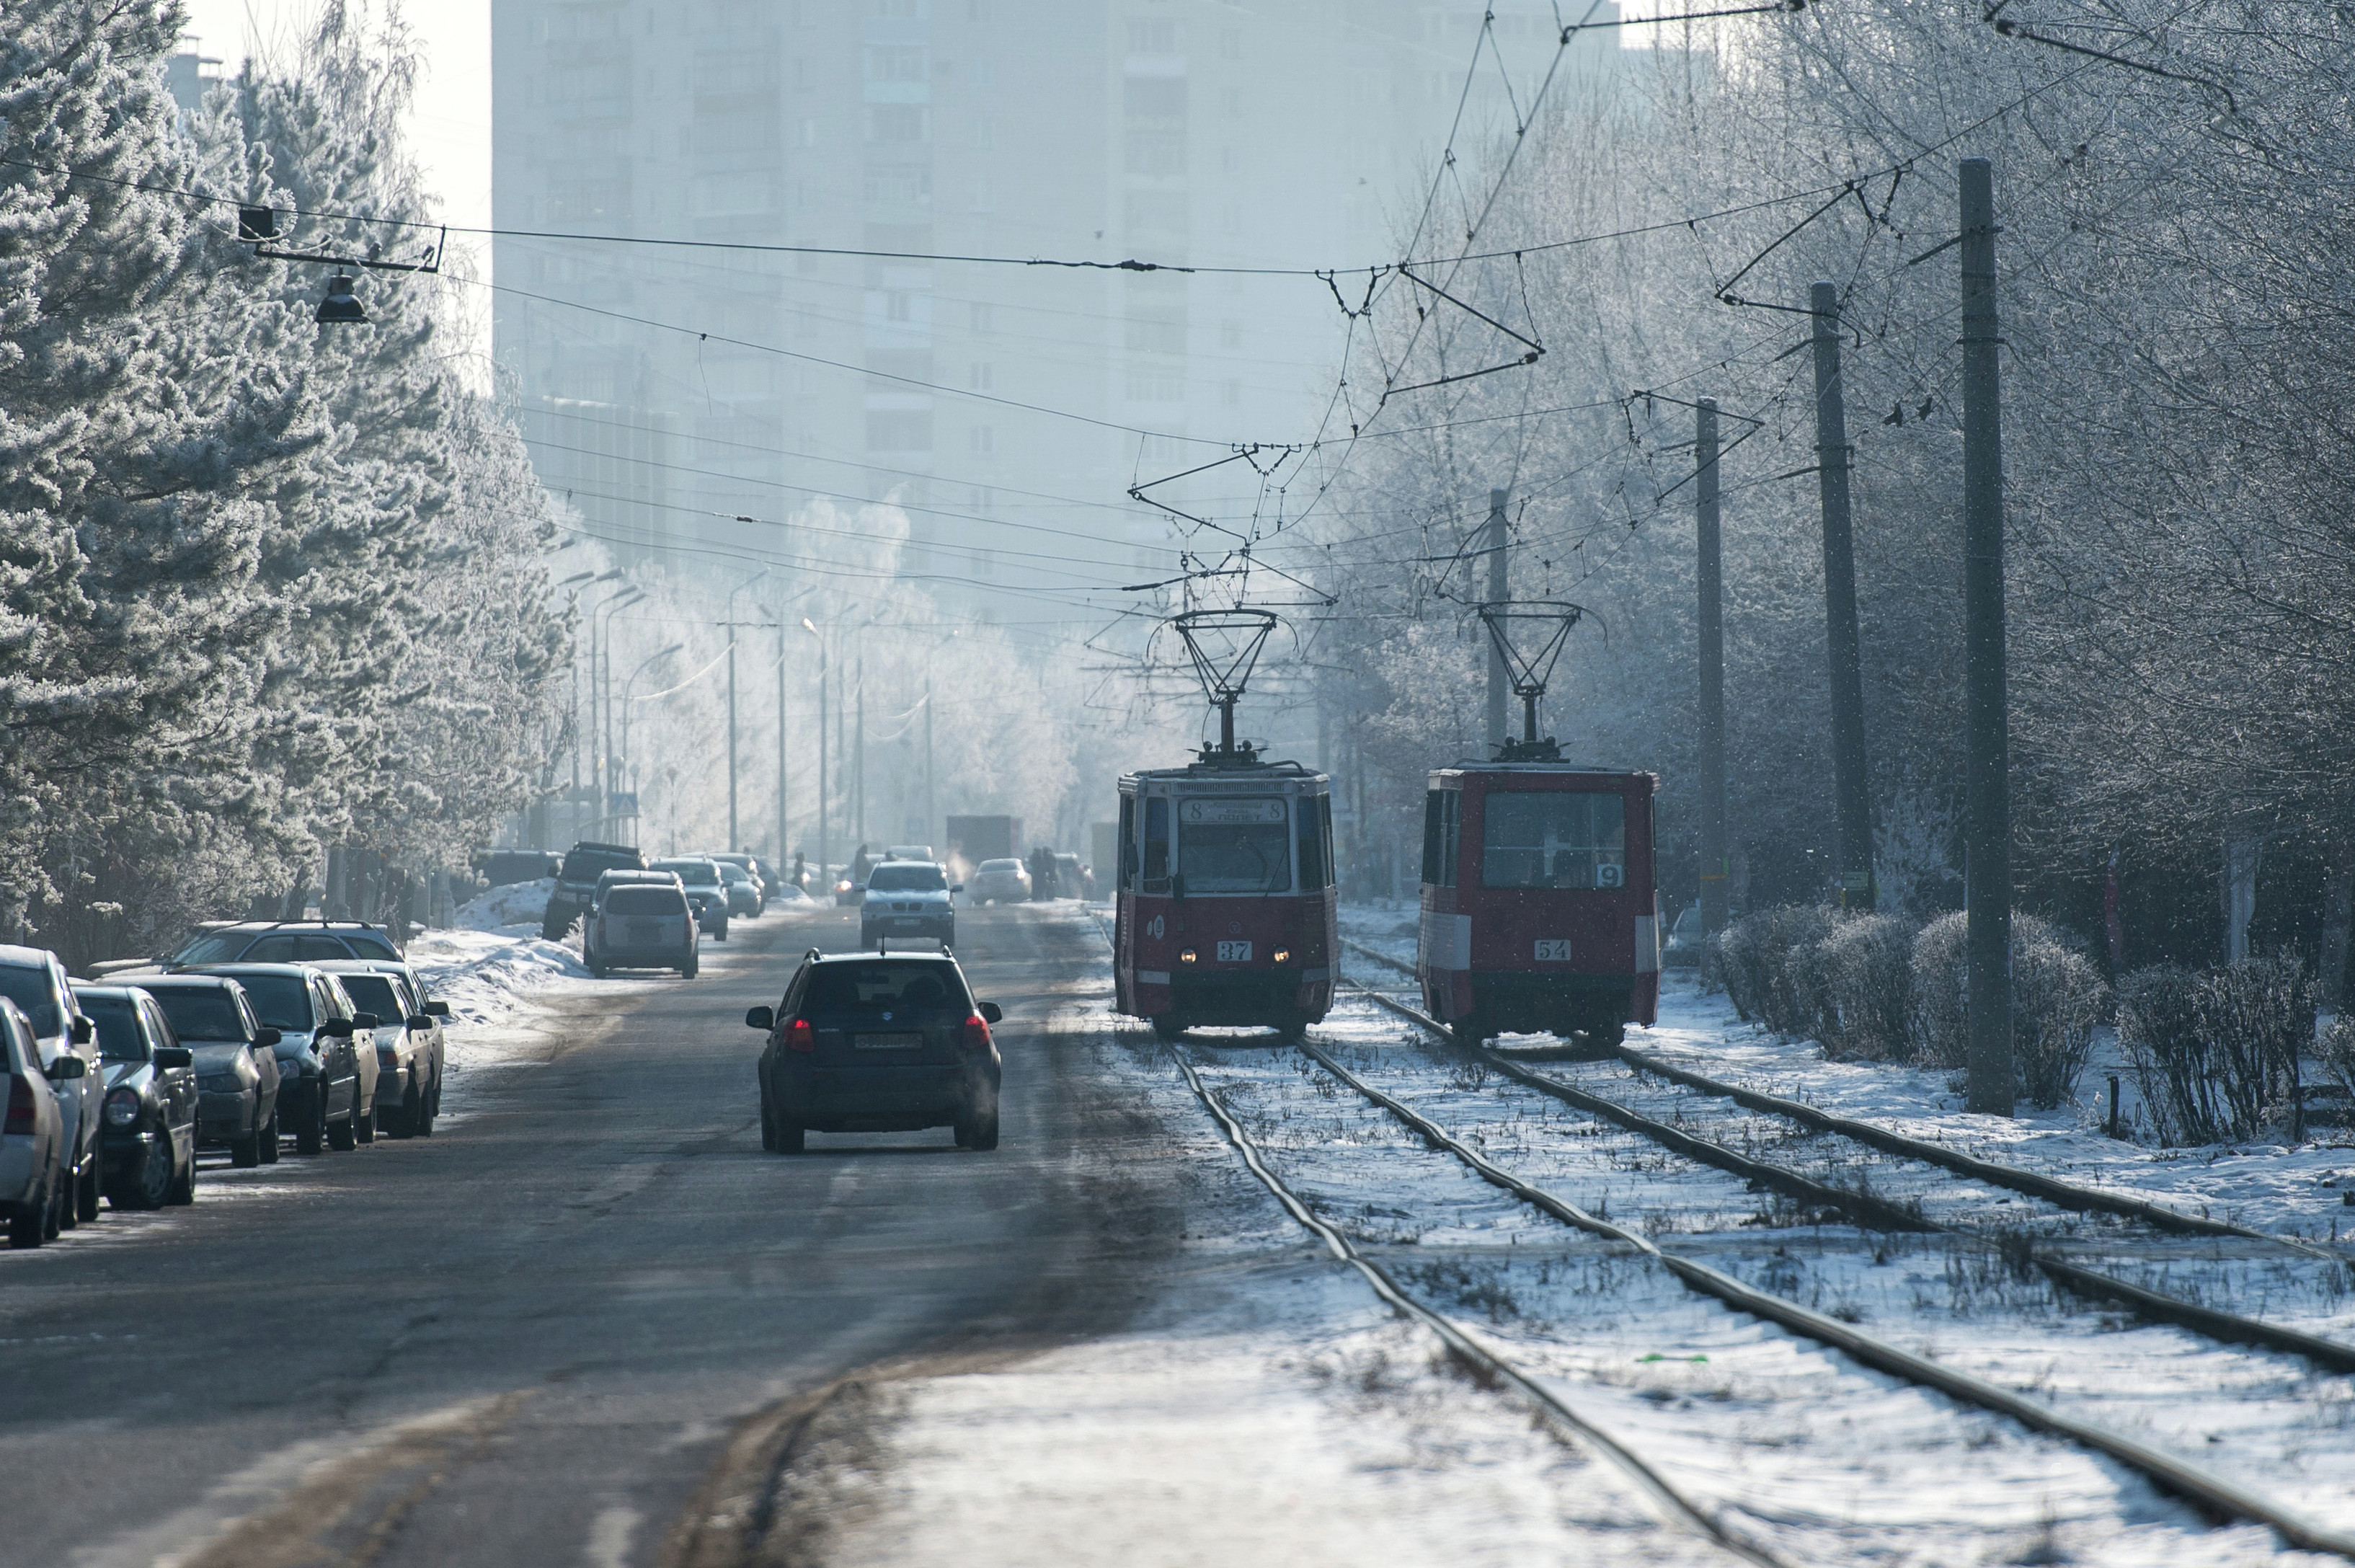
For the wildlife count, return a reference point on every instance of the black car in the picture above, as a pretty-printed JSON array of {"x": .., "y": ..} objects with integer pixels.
[
  {"x": 236, "y": 1068},
  {"x": 149, "y": 1123},
  {"x": 326, "y": 1051},
  {"x": 577, "y": 882},
  {"x": 868, "y": 1042}
]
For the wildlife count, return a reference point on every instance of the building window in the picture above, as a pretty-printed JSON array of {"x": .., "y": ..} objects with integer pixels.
[
  {"x": 1156, "y": 151},
  {"x": 899, "y": 430},
  {"x": 983, "y": 376},
  {"x": 1230, "y": 393},
  {"x": 895, "y": 62},
  {"x": 895, "y": 124},
  {"x": 983, "y": 319},
  {"x": 980, "y": 498},
  {"x": 1150, "y": 384},
  {"x": 1154, "y": 97},
  {"x": 1230, "y": 44},
  {"x": 1231, "y": 333},
  {"x": 983, "y": 438},
  {"x": 1152, "y": 36},
  {"x": 1232, "y": 101}
]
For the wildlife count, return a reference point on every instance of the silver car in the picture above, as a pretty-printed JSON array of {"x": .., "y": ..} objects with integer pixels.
[
  {"x": 34, "y": 979},
  {"x": 643, "y": 924},
  {"x": 32, "y": 1137},
  {"x": 998, "y": 881},
  {"x": 236, "y": 1068},
  {"x": 326, "y": 1051},
  {"x": 409, "y": 1048}
]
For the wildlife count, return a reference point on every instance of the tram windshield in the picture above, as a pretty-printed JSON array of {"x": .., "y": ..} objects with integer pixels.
[
  {"x": 1553, "y": 839},
  {"x": 1232, "y": 846}
]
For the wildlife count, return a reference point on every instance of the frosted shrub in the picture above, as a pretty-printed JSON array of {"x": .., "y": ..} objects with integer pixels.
[
  {"x": 1858, "y": 975},
  {"x": 1756, "y": 952},
  {"x": 2057, "y": 996},
  {"x": 2216, "y": 1052},
  {"x": 2337, "y": 1049}
]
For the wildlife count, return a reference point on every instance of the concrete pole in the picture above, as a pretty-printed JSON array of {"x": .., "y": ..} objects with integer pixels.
[
  {"x": 1986, "y": 841},
  {"x": 822, "y": 875},
  {"x": 735, "y": 843},
  {"x": 1853, "y": 800},
  {"x": 785, "y": 833},
  {"x": 1500, "y": 680},
  {"x": 1713, "y": 671}
]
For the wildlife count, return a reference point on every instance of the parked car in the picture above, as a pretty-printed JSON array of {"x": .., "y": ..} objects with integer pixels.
[
  {"x": 504, "y": 868},
  {"x": 907, "y": 899},
  {"x": 151, "y": 1099},
  {"x": 643, "y": 924},
  {"x": 744, "y": 893},
  {"x": 848, "y": 888},
  {"x": 765, "y": 876},
  {"x": 1683, "y": 950},
  {"x": 407, "y": 1043},
  {"x": 862, "y": 1042},
  {"x": 34, "y": 979},
  {"x": 236, "y": 1063},
  {"x": 34, "y": 1179},
  {"x": 326, "y": 1052},
  {"x": 590, "y": 927},
  {"x": 999, "y": 882},
  {"x": 705, "y": 891},
  {"x": 286, "y": 942},
  {"x": 1072, "y": 879},
  {"x": 576, "y": 883}
]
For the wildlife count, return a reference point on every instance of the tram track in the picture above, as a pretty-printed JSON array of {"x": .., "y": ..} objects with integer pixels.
[{"x": 2215, "y": 1493}]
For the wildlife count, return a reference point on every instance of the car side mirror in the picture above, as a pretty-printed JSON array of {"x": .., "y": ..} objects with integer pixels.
[
  {"x": 437, "y": 1009},
  {"x": 66, "y": 1067},
  {"x": 956, "y": 887},
  {"x": 80, "y": 1031},
  {"x": 364, "y": 1020},
  {"x": 174, "y": 1056},
  {"x": 338, "y": 1029},
  {"x": 419, "y": 1020},
  {"x": 266, "y": 1035},
  {"x": 991, "y": 1013},
  {"x": 761, "y": 1019}
]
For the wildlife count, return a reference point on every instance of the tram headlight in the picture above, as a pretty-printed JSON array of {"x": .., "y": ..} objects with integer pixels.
[
  {"x": 1282, "y": 955},
  {"x": 1185, "y": 955}
]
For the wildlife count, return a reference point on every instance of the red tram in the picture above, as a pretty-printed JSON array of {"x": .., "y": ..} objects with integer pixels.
[
  {"x": 1225, "y": 898},
  {"x": 1539, "y": 908}
]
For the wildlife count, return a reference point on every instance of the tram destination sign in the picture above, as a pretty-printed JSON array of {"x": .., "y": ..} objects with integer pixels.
[{"x": 1200, "y": 812}]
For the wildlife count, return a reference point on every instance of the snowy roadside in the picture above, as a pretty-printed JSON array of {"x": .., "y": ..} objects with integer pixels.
[{"x": 2307, "y": 1191}]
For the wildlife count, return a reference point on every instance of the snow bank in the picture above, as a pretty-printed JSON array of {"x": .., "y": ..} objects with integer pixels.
[{"x": 513, "y": 904}]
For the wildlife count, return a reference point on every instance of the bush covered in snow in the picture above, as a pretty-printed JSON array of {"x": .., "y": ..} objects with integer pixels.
[
  {"x": 1754, "y": 954},
  {"x": 1858, "y": 974},
  {"x": 2057, "y": 996},
  {"x": 2216, "y": 1052}
]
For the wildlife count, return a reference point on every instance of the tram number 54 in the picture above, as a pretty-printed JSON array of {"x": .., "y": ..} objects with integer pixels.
[{"x": 1555, "y": 952}]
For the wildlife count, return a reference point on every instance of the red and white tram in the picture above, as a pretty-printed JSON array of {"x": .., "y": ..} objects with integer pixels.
[
  {"x": 1226, "y": 903},
  {"x": 1539, "y": 906}
]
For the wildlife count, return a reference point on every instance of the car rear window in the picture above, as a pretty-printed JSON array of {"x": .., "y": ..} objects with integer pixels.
[
  {"x": 902, "y": 878},
  {"x": 35, "y": 991},
  {"x": 217, "y": 948},
  {"x": 202, "y": 1014},
  {"x": 912, "y": 983},
  {"x": 365, "y": 945},
  {"x": 1001, "y": 865},
  {"x": 646, "y": 901},
  {"x": 375, "y": 994},
  {"x": 694, "y": 873}
]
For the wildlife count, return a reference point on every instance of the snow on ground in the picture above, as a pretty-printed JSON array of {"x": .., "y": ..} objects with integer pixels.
[{"x": 510, "y": 904}]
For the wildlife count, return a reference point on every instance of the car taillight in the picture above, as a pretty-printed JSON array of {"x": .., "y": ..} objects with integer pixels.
[
  {"x": 976, "y": 1034},
  {"x": 800, "y": 1037},
  {"x": 20, "y": 1105}
]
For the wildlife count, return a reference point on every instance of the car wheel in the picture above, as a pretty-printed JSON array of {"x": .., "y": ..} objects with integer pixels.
[
  {"x": 343, "y": 1136},
  {"x": 983, "y": 1133},
  {"x": 53, "y": 1213},
  {"x": 270, "y": 1139},
  {"x": 184, "y": 1184},
  {"x": 311, "y": 1137},
  {"x": 719, "y": 933},
  {"x": 426, "y": 1107},
  {"x": 596, "y": 970},
  {"x": 88, "y": 1190},
  {"x": 792, "y": 1138},
  {"x": 402, "y": 1123},
  {"x": 1168, "y": 1026},
  {"x": 691, "y": 969},
  {"x": 767, "y": 1128},
  {"x": 28, "y": 1225},
  {"x": 245, "y": 1153},
  {"x": 152, "y": 1184}
]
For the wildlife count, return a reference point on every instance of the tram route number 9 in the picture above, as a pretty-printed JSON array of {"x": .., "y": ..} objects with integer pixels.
[
  {"x": 1553, "y": 952},
  {"x": 1234, "y": 951}
]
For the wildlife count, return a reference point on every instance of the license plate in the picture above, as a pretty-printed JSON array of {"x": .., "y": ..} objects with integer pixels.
[
  {"x": 1553, "y": 952},
  {"x": 889, "y": 1041},
  {"x": 644, "y": 930},
  {"x": 1234, "y": 951}
]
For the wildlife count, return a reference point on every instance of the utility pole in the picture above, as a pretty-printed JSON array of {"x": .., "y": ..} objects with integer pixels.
[
  {"x": 734, "y": 843},
  {"x": 1713, "y": 671},
  {"x": 858, "y": 765},
  {"x": 822, "y": 876},
  {"x": 1986, "y": 847},
  {"x": 1500, "y": 682},
  {"x": 1851, "y": 797},
  {"x": 932, "y": 802},
  {"x": 784, "y": 848}
]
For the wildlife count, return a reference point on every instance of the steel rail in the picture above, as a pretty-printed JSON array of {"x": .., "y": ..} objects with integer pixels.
[
  {"x": 2221, "y": 1497},
  {"x": 2051, "y": 1189},
  {"x": 1673, "y": 1505}
]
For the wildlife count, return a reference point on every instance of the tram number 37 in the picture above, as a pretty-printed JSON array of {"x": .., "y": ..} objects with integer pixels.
[
  {"x": 1555, "y": 952},
  {"x": 1234, "y": 951}
]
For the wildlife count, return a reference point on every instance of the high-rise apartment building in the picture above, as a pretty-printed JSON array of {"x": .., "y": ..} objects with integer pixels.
[{"x": 674, "y": 392}]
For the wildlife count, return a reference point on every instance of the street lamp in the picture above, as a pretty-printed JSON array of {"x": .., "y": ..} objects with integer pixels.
[
  {"x": 734, "y": 845},
  {"x": 630, "y": 683},
  {"x": 577, "y": 727},
  {"x": 822, "y": 876},
  {"x": 604, "y": 673}
]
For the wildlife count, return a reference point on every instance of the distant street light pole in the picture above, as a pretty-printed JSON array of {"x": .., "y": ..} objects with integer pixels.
[
  {"x": 629, "y": 685},
  {"x": 734, "y": 846},
  {"x": 608, "y": 775},
  {"x": 822, "y": 862},
  {"x": 618, "y": 596}
]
